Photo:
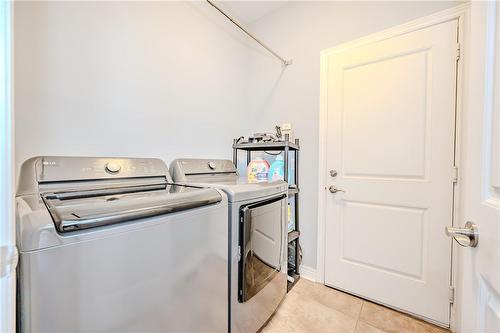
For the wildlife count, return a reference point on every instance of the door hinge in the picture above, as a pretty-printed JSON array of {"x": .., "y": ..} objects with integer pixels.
[
  {"x": 455, "y": 174},
  {"x": 451, "y": 294},
  {"x": 239, "y": 253},
  {"x": 458, "y": 51}
]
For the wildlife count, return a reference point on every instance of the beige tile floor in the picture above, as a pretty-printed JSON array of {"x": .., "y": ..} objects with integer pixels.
[{"x": 312, "y": 307}]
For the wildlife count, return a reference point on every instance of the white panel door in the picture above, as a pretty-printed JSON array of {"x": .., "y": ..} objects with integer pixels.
[
  {"x": 390, "y": 137},
  {"x": 480, "y": 275}
]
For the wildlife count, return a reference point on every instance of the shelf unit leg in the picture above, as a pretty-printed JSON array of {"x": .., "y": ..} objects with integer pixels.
[
  {"x": 296, "y": 198},
  {"x": 235, "y": 153}
]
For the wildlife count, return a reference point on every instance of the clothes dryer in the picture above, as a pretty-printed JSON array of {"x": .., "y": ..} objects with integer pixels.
[{"x": 258, "y": 238}]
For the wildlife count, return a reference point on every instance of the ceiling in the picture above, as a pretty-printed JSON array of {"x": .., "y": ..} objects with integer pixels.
[{"x": 249, "y": 11}]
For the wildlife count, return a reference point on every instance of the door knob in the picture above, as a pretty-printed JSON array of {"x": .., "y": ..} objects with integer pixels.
[
  {"x": 333, "y": 173},
  {"x": 467, "y": 236},
  {"x": 333, "y": 189}
]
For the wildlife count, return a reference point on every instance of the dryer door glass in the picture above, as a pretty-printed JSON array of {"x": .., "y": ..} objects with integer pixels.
[{"x": 261, "y": 245}]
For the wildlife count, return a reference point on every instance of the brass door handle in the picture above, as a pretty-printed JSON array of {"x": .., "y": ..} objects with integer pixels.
[{"x": 468, "y": 236}]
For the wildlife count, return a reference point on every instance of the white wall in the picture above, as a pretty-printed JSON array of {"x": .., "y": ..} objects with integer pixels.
[
  {"x": 175, "y": 79},
  {"x": 300, "y": 31},
  {"x": 144, "y": 79}
]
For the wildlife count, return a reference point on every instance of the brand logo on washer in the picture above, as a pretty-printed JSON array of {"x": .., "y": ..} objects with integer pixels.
[{"x": 49, "y": 163}]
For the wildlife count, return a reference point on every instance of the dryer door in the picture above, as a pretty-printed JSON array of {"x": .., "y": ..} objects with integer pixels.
[{"x": 261, "y": 245}]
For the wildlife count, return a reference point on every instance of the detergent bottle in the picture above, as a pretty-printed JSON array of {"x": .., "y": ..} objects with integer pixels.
[
  {"x": 277, "y": 170},
  {"x": 258, "y": 170}
]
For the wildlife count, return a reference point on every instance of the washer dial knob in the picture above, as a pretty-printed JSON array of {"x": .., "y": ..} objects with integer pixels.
[
  {"x": 113, "y": 167},
  {"x": 212, "y": 165}
]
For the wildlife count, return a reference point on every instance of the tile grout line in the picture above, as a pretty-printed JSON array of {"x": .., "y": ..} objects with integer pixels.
[
  {"x": 361, "y": 309},
  {"x": 359, "y": 315},
  {"x": 355, "y": 326}
]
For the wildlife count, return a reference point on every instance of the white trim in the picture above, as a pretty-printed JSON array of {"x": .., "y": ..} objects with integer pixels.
[
  {"x": 308, "y": 273},
  {"x": 320, "y": 254},
  {"x": 8, "y": 252},
  {"x": 463, "y": 26},
  {"x": 417, "y": 24},
  {"x": 459, "y": 12}
]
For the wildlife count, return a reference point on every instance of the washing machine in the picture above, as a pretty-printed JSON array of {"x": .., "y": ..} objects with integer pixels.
[
  {"x": 111, "y": 245},
  {"x": 258, "y": 237}
]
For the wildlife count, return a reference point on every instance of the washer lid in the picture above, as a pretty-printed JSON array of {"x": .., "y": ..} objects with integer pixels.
[
  {"x": 77, "y": 210},
  {"x": 241, "y": 190},
  {"x": 222, "y": 174}
]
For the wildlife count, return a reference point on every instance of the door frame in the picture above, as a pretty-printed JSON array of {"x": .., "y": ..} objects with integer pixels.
[
  {"x": 8, "y": 250},
  {"x": 484, "y": 28},
  {"x": 460, "y": 13}
]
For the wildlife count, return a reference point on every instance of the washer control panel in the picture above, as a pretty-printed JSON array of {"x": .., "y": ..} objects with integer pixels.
[{"x": 56, "y": 168}]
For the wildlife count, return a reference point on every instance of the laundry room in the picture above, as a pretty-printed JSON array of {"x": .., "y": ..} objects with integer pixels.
[{"x": 250, "y": 166}]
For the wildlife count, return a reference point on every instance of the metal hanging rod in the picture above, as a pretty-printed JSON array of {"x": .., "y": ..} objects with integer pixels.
[{"x": 283, "y": 60}]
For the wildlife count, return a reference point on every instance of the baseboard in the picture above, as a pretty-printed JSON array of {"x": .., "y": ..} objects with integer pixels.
[{"x": 308, "y": 273}]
